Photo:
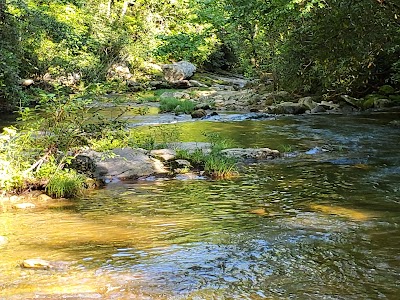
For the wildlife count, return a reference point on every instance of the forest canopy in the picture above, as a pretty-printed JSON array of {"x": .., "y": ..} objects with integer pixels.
[{"x": 309, "y": 46}]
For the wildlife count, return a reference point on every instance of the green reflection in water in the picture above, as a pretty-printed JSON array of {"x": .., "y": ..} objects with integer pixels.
[{"x": 308, "y": 226}]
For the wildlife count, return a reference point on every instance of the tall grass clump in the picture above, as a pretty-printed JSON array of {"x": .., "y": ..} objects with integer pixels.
[
  {"x": 177, "y": 105},
  {"x": 213, "y": 163},
  {"x": 65, "y": 183}
]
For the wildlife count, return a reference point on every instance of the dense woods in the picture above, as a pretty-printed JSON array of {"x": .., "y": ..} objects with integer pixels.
[{"x": 308, "y": 46}]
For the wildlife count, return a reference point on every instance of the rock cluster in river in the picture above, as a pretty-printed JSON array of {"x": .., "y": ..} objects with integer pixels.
[
  {"x": 235, "y": 93},
  {"x": 131, "y": 163}
]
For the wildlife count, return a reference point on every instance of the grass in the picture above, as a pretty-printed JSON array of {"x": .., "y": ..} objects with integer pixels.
[
  {"x": 177, "y": 105},
  {"x": 65, "y": 183},
  {"x": 214, "y": 164},
  {"x": 218, "y": 166},
  {"x": 153, "y": 95},
  {"x": 286, "y": 148}
]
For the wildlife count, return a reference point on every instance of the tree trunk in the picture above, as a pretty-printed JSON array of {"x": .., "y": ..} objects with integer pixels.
[
  {"x": 125, "y": 8},
  {"x": 109, "y": 5}
]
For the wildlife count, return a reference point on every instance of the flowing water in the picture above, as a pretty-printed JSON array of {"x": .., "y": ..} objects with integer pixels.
[{"x": 323, "y": 222}]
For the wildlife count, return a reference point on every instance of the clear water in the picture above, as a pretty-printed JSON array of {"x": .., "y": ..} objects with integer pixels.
[{"x": 320, "y": 223}]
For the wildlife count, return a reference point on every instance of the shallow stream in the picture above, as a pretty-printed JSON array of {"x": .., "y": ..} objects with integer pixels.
[{"x": 323, "y": 222}]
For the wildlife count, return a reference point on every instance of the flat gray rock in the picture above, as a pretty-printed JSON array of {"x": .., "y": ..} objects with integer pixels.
[{"x": 122, "y": 163}]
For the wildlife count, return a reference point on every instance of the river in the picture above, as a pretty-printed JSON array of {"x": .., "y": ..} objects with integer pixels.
[{"x": 322, "y": 222}]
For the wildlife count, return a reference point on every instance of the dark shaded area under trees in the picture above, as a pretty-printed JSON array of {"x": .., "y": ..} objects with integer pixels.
[{"x": 310, "y": 47}]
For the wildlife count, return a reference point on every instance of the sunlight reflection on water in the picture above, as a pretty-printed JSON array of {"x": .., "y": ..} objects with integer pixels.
[{"x": 306, "y": 226}]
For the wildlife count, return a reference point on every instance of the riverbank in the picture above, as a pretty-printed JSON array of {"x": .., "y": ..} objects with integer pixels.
[{"x": 69, "y": 125}]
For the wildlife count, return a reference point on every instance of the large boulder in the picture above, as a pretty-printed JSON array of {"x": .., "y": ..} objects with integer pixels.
[
  {"x": 121, "y": 163},
  {"x": 178, "y": 71},
  {"x": 119, "y": 71}
]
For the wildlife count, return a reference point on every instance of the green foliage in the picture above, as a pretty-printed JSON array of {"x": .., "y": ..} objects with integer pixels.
[
  {"x": 153, "y": 137},
  {"x": 65, "y": 183},
  {"x": 286, "y": 148},
  {"x": 177, "y": 105},
  {"x": 219, "y": 166},
  {"x": 15, "y": 159},
  {"x": 50, "y": 132},
  {"x": 217, "y": 142},
  {"x": 193, "y": 47},
  {"x": 214, "y": 163},
  {"x": 311, "y": 46}
]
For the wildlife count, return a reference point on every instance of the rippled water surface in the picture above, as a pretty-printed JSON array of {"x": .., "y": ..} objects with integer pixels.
[{"x": 320, "y": 223}]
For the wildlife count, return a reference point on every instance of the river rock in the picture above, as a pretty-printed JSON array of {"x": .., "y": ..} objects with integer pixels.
[
  {"x": 251, "y": 153},
  {"x": 195, "y": 83},
  {"x": 178, "y": 71},
  {"x": 202, "y": 106},
  {"x": 308, "y": 102},
  {"x": 44, "y": 198},
  {"x": 41, "y": 264},
  {"x": 123, "y": 163},
  {"x": 318, "y": 109},
  {"x": 198, "y": 113},
  {"x": 163, "y": 154},
  {"x": 329, "y": 105},
  {"x": 158, "y": 84},
  {"x": 191, "y": 147},
  {"x": 382, "y": 103},
  {"x": 119, "y": 71},
  {"x": 36, "y": 263},
  {"x": 287, "y": 108},
  {"x": 356, "y": 103},
  {"x": 3, "y": 240},
  {"x": 25, "y": 205},
  {"x": 178, "y": 95}
]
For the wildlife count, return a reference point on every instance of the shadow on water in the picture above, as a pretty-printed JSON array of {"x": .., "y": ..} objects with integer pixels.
[{"x": 317, "y": 224}]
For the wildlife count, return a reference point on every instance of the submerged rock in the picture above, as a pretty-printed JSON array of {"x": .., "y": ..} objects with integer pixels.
[
  {"x": 41, "y": 264},
  {"x": 25, "y": 205},
  {"x": 395, "y": 123},
  {"x": 259, "y": 211},
  {"x": 350, "y": 213},
  {"x": 36, "y": 263},
  {"x": 3, "y": 240},
  {"x": 251, "y": 153},
  {"x": 44, "y": 198}
]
